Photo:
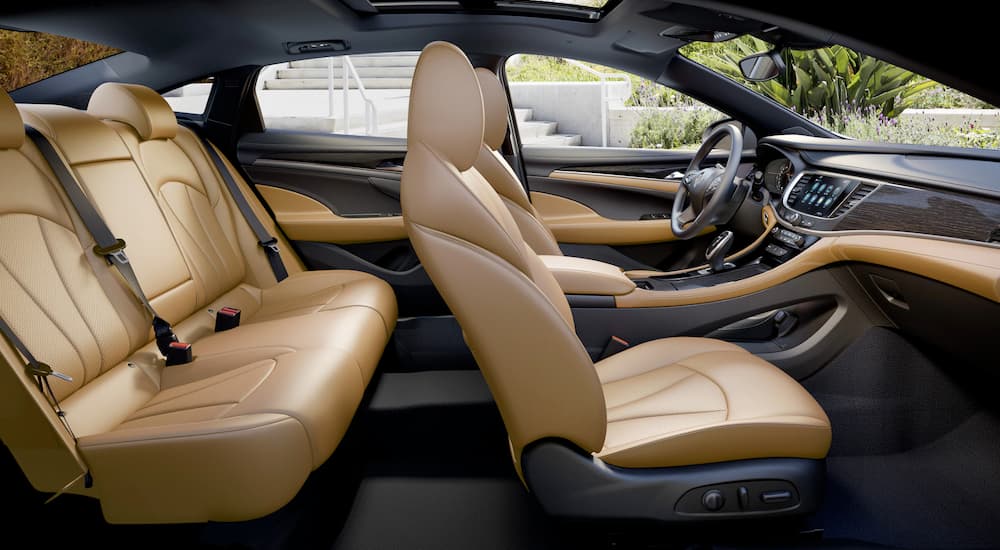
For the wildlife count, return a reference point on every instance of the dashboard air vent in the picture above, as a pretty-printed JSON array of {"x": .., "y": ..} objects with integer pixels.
[{"x": 857, "y": 196}]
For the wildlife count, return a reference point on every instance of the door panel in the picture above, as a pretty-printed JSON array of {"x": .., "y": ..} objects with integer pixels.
[
  {"x": 305, "y": 219},
  {"x": 614, "y": 205},
  {"x": 337, "y": 199},
  {"x": 574, "y": 223}
]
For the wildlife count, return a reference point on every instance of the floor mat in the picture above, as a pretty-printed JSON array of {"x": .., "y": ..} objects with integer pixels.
[
  {"x": 943, "y": 495},
  {"x": 916, "y": 451}
]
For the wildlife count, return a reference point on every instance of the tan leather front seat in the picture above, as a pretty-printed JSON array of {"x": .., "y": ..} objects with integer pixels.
[
  {"x": 492, "y": 166},
  {"x": 665, "y": 403}
]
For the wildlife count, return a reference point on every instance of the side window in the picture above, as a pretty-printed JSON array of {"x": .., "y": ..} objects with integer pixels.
[
  {"x": 191, "y": 98},
  {"x": 351, "y": 94},
  {"x": 563, "y": 102}
]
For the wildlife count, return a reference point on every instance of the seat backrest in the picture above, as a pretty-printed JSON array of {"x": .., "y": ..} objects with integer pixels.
[
  {"x": 107, "y": 173},
  {"x": 491, "y": 164},
  {"x": 64, "y": 303},
  {"x": 516, "y": 319},
  {"x": 220, "y": 248}
]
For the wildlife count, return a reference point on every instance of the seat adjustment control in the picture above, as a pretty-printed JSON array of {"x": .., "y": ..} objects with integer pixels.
[
  {"x": 713, "y": 500},
  {"x": 775, "y": 497},
  {"x": 738, "y": 498}
]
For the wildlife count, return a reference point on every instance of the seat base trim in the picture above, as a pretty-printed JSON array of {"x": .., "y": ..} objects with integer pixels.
[{"x": 573, "y": 484}]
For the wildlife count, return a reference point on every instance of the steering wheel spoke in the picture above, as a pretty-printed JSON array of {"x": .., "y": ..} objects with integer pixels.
[{"x": 686, "y": 216}]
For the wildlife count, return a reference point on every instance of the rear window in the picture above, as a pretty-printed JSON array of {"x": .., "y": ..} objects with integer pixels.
[{"x": 27, "y": 57}]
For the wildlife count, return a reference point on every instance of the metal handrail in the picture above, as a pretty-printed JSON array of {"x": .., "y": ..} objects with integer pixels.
[
  {"x": 603, "y": 78},
  {"x": 371, "y": 111}
]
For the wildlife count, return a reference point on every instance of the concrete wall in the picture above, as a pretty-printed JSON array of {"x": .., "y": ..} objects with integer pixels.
[{"x": 576, "y": 106}]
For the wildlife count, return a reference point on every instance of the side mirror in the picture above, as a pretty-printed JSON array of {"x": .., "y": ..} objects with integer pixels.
[{"x": 761, "y": 67}]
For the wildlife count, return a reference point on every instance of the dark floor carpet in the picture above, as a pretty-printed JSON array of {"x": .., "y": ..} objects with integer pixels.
[
  {"x": 915, "y": 463},
  {"x": 916, "y": 448}
]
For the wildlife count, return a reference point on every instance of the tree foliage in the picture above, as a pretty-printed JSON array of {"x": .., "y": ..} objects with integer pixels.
[{"x": 32, "y": 56}]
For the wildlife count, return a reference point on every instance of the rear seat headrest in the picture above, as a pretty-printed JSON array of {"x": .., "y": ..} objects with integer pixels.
[
  {"x": 11, "y": 125},
  {"x": 135, "y": 105}
]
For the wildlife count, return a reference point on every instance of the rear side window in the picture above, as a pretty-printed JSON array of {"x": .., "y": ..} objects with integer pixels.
[
  {"x": 28, "y": 57},
  {"x": 191, "y": 98},
  {"x": 313, "y": 94}
]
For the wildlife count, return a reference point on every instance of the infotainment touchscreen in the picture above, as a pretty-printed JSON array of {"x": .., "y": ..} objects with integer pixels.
[{"x": 819, "y": 195}]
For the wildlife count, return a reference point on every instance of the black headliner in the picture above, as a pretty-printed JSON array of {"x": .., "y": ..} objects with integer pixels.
[{"x": 182, "y": 40}]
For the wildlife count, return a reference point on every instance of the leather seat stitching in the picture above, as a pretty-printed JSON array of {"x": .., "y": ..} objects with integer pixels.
[
  {"x": 722, "y": 390},
  {"x": 27, "y": 292},
  {"x": 653, "y": 392},
  {"x": 475, "y": 198},
  {"x": 223, "y": 378},
  {"x": 72, "y": 297},
  {"x": 492, "y": 257},
  {"x": 146, "y": 438}
]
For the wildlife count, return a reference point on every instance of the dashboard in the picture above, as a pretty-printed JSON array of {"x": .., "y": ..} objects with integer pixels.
[{"x": 822, "y": 187}]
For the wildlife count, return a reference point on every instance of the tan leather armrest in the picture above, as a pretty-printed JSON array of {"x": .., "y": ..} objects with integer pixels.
[
  {"x": 305, "y": 219},
  {"x": 583, "y": 276}
]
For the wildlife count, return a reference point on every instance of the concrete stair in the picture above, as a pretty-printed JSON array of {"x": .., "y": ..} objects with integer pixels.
[
  {"x": 376, "y": 71},
  {"x": 542, "y": 132}
]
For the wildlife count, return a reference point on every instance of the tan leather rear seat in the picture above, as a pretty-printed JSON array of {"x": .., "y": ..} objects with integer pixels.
[{"x": 230, "y": 436}]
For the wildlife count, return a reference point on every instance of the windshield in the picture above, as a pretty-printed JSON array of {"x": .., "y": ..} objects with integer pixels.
[{"x": 860, "y": 96}]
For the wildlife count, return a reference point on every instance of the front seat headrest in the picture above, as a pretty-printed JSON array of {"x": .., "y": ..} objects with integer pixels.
[
  {"x": 138, "y": 106},
  {"x": 11, "y": 125},
  {"x": 446, "y": 106},
  {"x": 494, "y": 107}
]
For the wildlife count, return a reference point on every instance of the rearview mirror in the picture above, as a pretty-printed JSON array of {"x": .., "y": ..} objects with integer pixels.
[{"x": 761, "y": 67}]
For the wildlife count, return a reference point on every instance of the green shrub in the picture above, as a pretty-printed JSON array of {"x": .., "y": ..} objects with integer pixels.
[
  {"x": 824, "y": 81},
  {"x": 871, "y": 125},
  {"x": 672, "y": 128},
  {"x": 542, "y": 68},
  {"x": 943, "y": 97}
]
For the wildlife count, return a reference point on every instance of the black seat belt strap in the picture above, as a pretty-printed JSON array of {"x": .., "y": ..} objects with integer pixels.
[
  {"x": 108, "y": 246},
  {"x": 264, "y": 239}
]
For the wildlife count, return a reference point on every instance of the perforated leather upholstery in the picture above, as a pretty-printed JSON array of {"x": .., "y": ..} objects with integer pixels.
[
  {"x": 229, "y": 436},
  {"x": 671, "y": 402}
]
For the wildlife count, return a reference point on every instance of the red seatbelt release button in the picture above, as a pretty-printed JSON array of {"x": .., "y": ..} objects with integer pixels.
[
  {"x": 179, "y": 353},
  {"x": 227, "y": 318}
]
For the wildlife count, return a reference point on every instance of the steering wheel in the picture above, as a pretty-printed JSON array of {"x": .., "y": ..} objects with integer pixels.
[{"x": 705, "y": 195}]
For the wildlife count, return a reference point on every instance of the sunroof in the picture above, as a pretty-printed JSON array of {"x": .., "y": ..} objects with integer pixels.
[
  {"x": 573, "y": 9},
  {"x": 596, "y": 4}
]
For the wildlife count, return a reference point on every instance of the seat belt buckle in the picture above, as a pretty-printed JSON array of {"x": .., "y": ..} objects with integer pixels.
[
  {"x": 614, "y": 345},
  {"x": 227, "y": 318},
  {"x": 271, "y": 245},
  {"x": 114, "y": 253},
  {"x": 179, "y": 353}
]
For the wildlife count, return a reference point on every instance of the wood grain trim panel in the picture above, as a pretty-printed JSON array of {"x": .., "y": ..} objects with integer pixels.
[
  {"x": 970, "y": 267},
  {"x": 633, "y": 182},
  {"x": 931, "y": 212},
  {"x": 573, "y": 222},
  {"x": 305, "y": 219}
]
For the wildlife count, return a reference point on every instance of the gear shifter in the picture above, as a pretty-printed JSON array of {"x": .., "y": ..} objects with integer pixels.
[{"x": 717, "y": 250}]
